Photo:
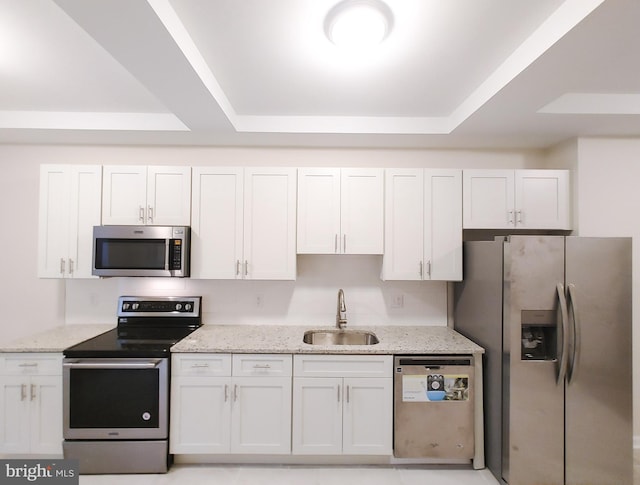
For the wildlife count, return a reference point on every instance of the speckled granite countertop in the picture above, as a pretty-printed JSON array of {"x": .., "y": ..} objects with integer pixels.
[
  {"x": 394, "y": 339},
  {"x": 56, "y": 339}
]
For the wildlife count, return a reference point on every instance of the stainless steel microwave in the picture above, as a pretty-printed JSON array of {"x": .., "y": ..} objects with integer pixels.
[{"x": 141, "y": 251}]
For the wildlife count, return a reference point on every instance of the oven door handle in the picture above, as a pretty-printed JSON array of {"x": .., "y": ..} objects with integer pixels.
[{"x": 112, "y": 364}]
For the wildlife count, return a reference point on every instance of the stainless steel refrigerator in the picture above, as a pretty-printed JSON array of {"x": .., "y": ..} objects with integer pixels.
[{"x": 554, "y": 315}]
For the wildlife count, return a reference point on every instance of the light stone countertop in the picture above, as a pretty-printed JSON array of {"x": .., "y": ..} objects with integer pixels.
[
  {"x": 276, "y": 339},
  {"x": 56, "y": 339}
]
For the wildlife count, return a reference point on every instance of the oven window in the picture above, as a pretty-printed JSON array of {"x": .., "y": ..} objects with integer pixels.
[
  {"x": 114, "y": 398},
  {"x": 130, "y": 253}
]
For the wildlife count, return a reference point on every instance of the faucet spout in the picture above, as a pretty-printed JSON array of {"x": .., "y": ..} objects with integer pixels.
[{"x": 341, "y": 314}]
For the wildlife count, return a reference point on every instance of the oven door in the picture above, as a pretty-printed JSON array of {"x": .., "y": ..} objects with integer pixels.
[{"x": 113, "y": 398}]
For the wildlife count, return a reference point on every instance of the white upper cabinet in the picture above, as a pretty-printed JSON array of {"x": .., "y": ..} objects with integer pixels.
[
  {"x": 154, "y": 195},
  {"x": 423, "y": 225},
  {"x": 520, "y": 199},
  {"x": 243, "y": 224},
  {"x": 340, "y": 211},
  {"x": 69, "y": 208}
]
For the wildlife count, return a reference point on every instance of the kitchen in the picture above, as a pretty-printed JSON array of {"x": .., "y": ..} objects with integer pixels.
[{"x": 319, "y": 277}]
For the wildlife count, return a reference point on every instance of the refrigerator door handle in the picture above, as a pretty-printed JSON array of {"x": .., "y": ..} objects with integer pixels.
[
  {"x": 575, "y": 354},
  {"x": 564, "y": 352}
]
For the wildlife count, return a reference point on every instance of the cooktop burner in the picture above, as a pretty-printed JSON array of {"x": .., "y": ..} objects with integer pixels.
[{"x": 147, "y": 327}]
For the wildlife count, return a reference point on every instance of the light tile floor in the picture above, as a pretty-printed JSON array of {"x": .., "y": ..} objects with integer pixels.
[{"x": 299, "y": 475}]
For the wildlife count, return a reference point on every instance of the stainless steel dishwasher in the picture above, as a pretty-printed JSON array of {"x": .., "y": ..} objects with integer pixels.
[{"x": 433, "y": 406}]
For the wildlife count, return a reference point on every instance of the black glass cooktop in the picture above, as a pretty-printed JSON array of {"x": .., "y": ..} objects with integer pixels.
[{"x": 147, "y": 327}]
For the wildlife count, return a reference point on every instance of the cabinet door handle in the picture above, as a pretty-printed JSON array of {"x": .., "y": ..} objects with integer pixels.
[
  {"x": 510, "y": 217},
  {"x": 150, "y": 214},
  {"x": 141, "y": 214},
  {"x": 33, "y": 392},
  {"x": 519, "y": 216},
  {"x": 335, "y": 244},
  {"x": 235, "y": 392},
  {"x": 338, "y": 393},
  {"x": 348, "y": 394},
  {"x": 23, "y": 392},
  {"x": 420, "y": 269},
  {"x": 429, "y": 268},
  {"x": 71, "y": 269},
  {"x": 344, "y": 244},
  {"x": 226, "y": 392},
  {"x": 63, "y": 265},
  {"x": 237, "y": 267},
  {"x": 246, "y": 267}
]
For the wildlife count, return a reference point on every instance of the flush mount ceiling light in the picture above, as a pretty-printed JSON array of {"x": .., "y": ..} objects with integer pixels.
[{"x": 358, "y": 24}]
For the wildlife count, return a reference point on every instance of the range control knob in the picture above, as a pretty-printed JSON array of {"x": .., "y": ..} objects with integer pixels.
[
  {"x": 125, "y": 306},
  {"x": 178, "y": 306},
  {"x": 135, "y": 306},
  {"x": 188, "y": 307}
]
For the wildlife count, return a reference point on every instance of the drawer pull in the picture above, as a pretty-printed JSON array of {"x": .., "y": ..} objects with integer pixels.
[
  {"x": 28, "y": 364},
  {"x": 203, "y": 365},
  {"x": 262, "y": 366}
]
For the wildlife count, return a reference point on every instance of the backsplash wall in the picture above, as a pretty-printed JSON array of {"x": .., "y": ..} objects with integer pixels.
[{"x": 309, "y": 300}]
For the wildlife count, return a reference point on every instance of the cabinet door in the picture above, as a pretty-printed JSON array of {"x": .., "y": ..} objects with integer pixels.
[
  {"x": 542, "y": 199},
  {"x": 217, "y": 223},
  {"x": 69, "y": 208},
  {"x": 318, "y": 211},
  {"x": 270, "y": 224},
  {"x": 53, "y": 230},
  {"x": 85, "y": 205},
  {"x": 45, "y": 402},
  {"x": 168, "y": 196},
  {"x": 317, "y": 416},
  {"x": 261, "y": 415},
  {"x": 404, "y": 221},
  {"x": 443, "y": 225},
  {"x": 368, "y": 416},
  {"x": 362, "y": 211},
  {"x": 14, "y": 413},
  {"x": 200, "y": 415},
  {"x": 488, "y": 199},
  {"x": 124, "y": 194}
]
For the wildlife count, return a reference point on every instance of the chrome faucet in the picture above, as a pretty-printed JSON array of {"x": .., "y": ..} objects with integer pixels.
[{"x": 341, "y": 314}]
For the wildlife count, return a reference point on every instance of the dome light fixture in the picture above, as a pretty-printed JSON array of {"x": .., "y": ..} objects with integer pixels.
[{"x": 358, "y": 24}]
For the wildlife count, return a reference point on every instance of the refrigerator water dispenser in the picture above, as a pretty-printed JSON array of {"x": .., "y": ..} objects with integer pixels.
[{"x": 539, "y": 335}]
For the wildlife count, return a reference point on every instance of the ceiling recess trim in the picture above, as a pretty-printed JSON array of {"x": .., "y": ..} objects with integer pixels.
[
  {"x": 66, "y": 120},
  {"x": 565, "y": 18}
]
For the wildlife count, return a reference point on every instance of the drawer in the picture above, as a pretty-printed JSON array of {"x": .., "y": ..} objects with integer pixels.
[
  {"x": 343, "y": 365},
  {"x": 262, "y": 365},
  {"x": 44, "y": 364},
  {"x": 196, "y": 364}
]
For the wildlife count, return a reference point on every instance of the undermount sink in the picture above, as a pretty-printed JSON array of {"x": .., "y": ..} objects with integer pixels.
[{"x": 340, "y": 337}]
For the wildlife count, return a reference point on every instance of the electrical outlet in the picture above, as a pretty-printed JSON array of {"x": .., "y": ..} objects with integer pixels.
[
  {"x": 397, "y": 301},
  {"x": 259, "y": 301}
]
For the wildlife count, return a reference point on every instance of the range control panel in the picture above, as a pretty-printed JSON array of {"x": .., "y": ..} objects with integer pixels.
[{"x": 188, "y": 306}]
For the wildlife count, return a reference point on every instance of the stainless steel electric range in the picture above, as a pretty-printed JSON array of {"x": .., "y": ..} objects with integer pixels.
[{"x": 116, "y": 387}]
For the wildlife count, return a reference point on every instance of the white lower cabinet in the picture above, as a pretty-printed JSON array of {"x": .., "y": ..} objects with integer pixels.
[
  {"x": 342, "y": 405},
  {"x": 31, "y": 404},
  {"x": 231, "y": 404}
]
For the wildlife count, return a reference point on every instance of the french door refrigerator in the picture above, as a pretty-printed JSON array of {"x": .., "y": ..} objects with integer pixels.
[{"x": 554, "y": 315}]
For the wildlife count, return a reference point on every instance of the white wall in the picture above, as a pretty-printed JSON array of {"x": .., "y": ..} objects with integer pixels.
[
  {"x": 608, "y": 177},
  {"x": 31, "y": 304}
]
